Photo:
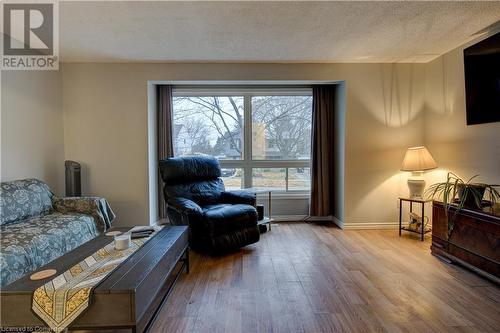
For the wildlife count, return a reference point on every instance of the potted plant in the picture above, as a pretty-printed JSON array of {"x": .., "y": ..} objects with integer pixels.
[{"x": 462, "y": 194}]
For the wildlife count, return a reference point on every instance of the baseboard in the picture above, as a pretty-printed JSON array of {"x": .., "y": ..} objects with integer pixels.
[
  {"x": 289, "y": 218},
  {"x": 338, "y": 222},
  {"x": 376, "y": 225},
  {"x": 301, "y": 218},
  {"x": 332, "y": 218}
]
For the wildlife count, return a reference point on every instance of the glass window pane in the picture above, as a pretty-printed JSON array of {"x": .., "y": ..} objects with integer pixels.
[
  {"x": 272, "y": 178},
  {"x": 208, "y": 125},
  {"x": 281, "y": 127},
  {"x": 233, "y": 178},
  {"x": 299, "y": 179}
]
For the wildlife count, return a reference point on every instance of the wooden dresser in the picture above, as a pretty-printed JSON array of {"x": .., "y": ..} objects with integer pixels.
[{"x": 474, "y": 242}]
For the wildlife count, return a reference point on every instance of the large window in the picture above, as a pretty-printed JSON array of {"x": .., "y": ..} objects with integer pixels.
[{"x": 260, "y": 136}]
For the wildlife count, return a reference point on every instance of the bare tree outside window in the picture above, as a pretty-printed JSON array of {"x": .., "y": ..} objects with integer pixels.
[
  {"x": 286, "y": 125},
  {"x": 208, "y": 125}
]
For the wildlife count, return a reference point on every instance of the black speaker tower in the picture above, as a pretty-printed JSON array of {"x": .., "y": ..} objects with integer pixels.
[{"x": 73, "y": 179}]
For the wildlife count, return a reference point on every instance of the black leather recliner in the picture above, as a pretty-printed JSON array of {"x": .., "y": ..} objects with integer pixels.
[{"x": 218, "y": 220}]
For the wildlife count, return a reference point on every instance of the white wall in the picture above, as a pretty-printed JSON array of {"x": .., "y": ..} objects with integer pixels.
[
  {"x": 339, "y": 158},
  {"x": 32, "y": 127},
  {"x": 464, "y": 150},
  {"x": 384, "y": 116},
  {"x": 106, "y": 127}
]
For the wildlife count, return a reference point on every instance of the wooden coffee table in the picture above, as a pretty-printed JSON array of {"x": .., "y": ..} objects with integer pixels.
[{"x": 130, "y": 297}]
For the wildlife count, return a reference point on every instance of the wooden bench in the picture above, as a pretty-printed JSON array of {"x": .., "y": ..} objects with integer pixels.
[{"x": 128, "y": 298}]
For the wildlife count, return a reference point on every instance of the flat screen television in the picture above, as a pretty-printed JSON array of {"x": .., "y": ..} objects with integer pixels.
[{"x": 482, "y": 81}]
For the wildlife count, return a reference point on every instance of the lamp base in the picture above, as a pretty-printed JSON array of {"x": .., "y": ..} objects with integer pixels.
[{"x": 416, "y": 184}]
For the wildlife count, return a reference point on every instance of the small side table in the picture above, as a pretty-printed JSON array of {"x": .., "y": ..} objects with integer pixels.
[
  {"x": 422, "y": 202},
  {"x": 267, "y": 219}
]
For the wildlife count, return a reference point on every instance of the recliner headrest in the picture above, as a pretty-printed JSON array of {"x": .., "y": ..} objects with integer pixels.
[{"x": 181, "y": 170}]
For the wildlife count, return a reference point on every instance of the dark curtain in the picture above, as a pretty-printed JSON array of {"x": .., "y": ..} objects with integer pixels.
[
  {"x": 322, "y": 151},
  {"x": 164, "y": 134}
]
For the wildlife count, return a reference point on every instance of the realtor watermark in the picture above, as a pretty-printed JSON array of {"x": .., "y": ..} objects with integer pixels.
[{"x": 30, "y": 35}]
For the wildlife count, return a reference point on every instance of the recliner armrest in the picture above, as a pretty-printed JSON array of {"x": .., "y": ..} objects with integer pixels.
[
  {"x": 238, "y": 197},
  {"x": 184, "y": 206}
]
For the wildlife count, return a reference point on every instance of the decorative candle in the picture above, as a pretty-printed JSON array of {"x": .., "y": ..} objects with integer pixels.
[{"x": 122, "y": 242}]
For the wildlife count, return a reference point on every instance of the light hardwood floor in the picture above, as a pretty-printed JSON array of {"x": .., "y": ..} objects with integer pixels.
[{"x": 316, "y": 278}]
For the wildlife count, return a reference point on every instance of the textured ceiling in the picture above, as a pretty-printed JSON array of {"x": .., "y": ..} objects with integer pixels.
[{"x": 268, "y": 31}]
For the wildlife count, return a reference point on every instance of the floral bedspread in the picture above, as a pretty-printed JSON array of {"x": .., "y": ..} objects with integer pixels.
[
  {"x": 37, "y": 227},
  {"x": 32, "y": 243}
]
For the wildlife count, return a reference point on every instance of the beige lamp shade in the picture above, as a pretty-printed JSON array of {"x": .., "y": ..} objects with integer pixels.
[{"x": 418, "y": 159}]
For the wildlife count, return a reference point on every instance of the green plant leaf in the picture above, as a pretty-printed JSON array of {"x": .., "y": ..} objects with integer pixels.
[{"x": 447, "y": 191}]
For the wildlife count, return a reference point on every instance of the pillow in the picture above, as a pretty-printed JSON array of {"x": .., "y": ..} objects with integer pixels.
[{"x": 22, "y": 199}]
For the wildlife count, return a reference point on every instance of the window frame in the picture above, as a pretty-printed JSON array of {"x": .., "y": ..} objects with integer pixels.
[{"x": 247, "y": 163}]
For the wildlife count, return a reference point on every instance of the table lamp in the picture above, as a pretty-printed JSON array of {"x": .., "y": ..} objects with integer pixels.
[{"x": 417, "y": 160}]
